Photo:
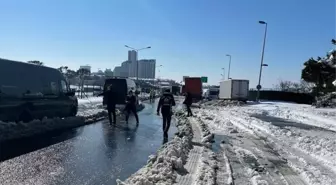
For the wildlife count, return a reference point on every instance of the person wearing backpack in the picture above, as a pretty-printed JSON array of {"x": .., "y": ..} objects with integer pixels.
[{"x": 165, "y": 104}]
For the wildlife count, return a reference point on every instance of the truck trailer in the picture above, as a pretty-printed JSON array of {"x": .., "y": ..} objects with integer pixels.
[{"x": 234, "y": 89}]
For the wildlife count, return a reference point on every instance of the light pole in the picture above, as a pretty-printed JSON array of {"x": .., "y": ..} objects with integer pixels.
[
  {"x": 137, "y": 50},
  {"x": 229, "y": 65},
  {"x": 158, "y": 70},
  {"x": 262, "y": 60}
]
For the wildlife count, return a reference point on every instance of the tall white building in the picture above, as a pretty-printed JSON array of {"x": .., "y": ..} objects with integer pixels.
[
  {"x": 132, "y": 55},
  {"x": 125, "y": 69},
  {"x": 132, "y": 58},
  {"x": 147, "y": 68}
]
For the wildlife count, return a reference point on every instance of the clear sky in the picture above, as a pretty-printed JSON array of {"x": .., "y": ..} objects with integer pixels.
[{"x": 188, "y": 37}]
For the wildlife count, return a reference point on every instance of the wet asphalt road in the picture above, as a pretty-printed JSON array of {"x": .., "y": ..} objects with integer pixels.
[{"x": 93, "y": 154}]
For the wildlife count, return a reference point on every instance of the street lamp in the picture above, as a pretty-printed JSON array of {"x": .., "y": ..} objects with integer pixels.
[
  {"x": 137, "y": 50},
  {"x": 158, "y": 70},
  {"x": 262, "y": 60},
  {"x": 229, "y": 65}
]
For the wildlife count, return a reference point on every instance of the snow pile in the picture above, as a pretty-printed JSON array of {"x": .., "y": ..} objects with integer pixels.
[
  {"x": 207, "y": 171},
  {"x": 209, "y": 164},
  {"x": 170, "y": 158},
  {"x": 224, "y": 103},
  {"x": 13, "y": 130},
  {"x": 90, "y": 106},
  {"x": 207, "y": 136},
  {"x": 328, "y": 100},
  {"x": 310, "y": 150}
]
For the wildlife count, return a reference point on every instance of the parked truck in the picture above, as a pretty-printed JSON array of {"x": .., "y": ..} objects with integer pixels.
[
  {"x": 193, "y": 85},
  {"x": 234, "y": 89}
]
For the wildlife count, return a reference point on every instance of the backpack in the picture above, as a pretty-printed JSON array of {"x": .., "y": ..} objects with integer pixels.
[{"x": 167, "y": 101}]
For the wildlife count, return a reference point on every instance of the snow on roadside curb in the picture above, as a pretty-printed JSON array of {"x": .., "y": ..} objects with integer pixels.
[
  {"x": 171, "y": 157},
  {"x": 11, "y": 130},
  {"x": 89, "y": 111}
]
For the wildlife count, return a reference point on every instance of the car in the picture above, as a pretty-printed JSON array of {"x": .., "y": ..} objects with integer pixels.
[
  {"x": 30, "y": 91},
  {"x": 211, "y": 94}
]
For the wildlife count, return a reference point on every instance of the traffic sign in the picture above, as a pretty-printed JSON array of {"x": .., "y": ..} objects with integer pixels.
[
  {"x": 258, "y": 87},
  {"x": 204, "y": 79}
]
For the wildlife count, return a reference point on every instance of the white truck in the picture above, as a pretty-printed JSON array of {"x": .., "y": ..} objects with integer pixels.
[{"x": 234, "y": 89}]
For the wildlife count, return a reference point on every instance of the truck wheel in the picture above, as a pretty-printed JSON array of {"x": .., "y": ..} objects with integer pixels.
[
  {"x": 73, "y": 111},
  {"x": 25, "y": 117}
]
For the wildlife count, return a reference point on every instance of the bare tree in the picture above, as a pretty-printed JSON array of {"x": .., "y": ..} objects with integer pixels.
[{"x": 82, "y": 74}]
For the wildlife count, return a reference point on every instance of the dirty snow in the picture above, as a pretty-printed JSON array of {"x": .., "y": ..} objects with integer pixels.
[{"x": 302, "y": 135}]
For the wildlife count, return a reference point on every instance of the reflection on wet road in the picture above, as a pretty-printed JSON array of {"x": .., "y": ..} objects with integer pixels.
[{"x": 93, "y": 154}]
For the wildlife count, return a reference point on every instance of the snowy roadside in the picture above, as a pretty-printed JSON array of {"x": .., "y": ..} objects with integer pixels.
[
  {"x": 169, "y": 159},
  {"x": 263, "y": 138},
  {"x": 90, "y": 110}
]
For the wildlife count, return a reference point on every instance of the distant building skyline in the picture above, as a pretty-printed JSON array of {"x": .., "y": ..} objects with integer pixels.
[{"x": 128, "y": 68}]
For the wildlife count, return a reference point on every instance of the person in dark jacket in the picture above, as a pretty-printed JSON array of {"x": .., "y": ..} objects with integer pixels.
[
  {"x": 131, "y": 102},
  {"x": 165, "y": 104},
  {"x": 109, "y": 96},
  {"x": 188, "y": 102}
]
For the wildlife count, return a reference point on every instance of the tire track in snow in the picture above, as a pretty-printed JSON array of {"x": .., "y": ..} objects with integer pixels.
[
  {"x": 253, "y": 161},
  {"x": 313, "y": 172},
  {"x": 194, "y": 160}
]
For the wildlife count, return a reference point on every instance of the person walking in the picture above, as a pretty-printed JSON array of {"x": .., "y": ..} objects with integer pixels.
[
  {"x": 165, "y": 104},
  {"x": 131, "y": 106},
  {"x": 152, "y": 96},
  {"x": 109, "y": 96},
  {"x": 188, "y": 102}
]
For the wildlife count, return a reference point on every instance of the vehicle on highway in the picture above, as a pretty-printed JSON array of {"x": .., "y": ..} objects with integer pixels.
[
  {"x": 194, "y": 86},
  {"x": 211, "y": 94},
  {"x": 30, "y": 91},
  {"x": 175, "y": 89},
  {"x": 234, "y": 89},
  {"x": 122, "y": 87}
]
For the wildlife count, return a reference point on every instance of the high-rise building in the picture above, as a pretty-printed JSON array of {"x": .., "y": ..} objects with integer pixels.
[
  {"x": 132, "y": 58},
  {"x": 117, "y": 71},
  {"x": 147, "y": 68},
  {"x": 132, "y": 55},
  {"x": 125, "y": 69}
]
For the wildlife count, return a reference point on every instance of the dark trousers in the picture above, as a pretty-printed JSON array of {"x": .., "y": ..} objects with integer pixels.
[
  {"x": 112, "y": 110},
  {"x": 189, "y": 110},
  {"x": 166, "y": 117},
  {"x": 129, "y": 109}
]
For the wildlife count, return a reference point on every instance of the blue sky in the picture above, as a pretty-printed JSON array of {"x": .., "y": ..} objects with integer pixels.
[{"x": 188, "y": 37}]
